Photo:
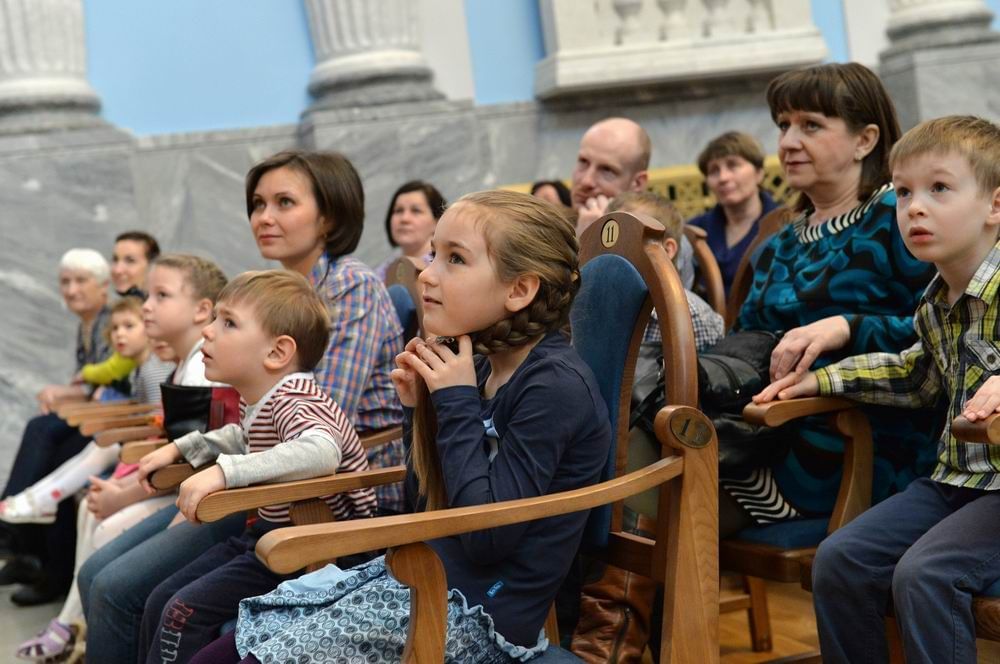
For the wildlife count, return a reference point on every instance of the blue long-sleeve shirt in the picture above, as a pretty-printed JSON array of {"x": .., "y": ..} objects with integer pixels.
[{"x": 546, "y": 430}]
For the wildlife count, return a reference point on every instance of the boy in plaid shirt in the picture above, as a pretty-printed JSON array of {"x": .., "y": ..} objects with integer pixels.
[{"x": 934, "y": 546}]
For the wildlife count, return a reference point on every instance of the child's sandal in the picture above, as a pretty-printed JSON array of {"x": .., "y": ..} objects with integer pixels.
[
  {"x": 21, "y": 508},
  {"x": 53, "y": 641}
]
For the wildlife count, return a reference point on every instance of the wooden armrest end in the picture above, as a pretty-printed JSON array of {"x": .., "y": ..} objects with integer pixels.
[
  {"x": 980, "y": 431},
  {"x": 170, "y": 476},
  {"x": 776, "y": 413},
  {"x": 134, "y": 451}
]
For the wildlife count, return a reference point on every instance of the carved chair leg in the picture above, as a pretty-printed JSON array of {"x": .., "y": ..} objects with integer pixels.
[
  {"x": 417, "y": 566},
  {"x": 758, "y": 615}
]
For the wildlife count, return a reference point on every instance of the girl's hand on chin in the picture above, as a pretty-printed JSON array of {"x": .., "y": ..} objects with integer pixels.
[{"x": 439, "y": 366}]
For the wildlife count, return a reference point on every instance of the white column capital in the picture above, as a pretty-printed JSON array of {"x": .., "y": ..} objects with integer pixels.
[{"x": 367, "y": 53}]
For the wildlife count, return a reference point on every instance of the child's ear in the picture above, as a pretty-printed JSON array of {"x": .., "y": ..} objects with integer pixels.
[
  {"x": 993, "y": 218},
  {"x": 521, "y": 292},
  {"x": 670, "y": 244},
  {"x": 203, "y": 311},
  {"x": 282, "y": 353}
]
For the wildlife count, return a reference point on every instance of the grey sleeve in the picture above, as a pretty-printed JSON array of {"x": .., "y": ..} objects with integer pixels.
[
  {"x": 313, "y": 454},
  {"x": 199, "y": 448}
]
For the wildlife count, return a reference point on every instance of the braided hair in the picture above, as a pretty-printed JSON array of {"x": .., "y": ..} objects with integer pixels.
[{"x": 524, "y": 235}]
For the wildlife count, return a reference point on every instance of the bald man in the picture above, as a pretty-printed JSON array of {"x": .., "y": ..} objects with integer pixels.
[{"x": 613, "y": 158}]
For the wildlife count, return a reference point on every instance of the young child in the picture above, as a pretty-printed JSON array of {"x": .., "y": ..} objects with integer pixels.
[
  {"x": 525, "y": 418},
  {"x": 112, "y": 507},
  {"x": 934, "y": 546},
  {"x": 116, "y": 580},
  {"x": 37, "y": 503},
  {"x": 270, "y": 331},
  {"x": 709, "y": 326},
  {"x": 130, "y": 259}
]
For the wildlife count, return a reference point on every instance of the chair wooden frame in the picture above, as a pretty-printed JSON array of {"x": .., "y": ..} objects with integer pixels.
[
  {"x": 404, "y": 272},
  {"x": 683, "y": 556},
  {"x": 707, "y": 270}
]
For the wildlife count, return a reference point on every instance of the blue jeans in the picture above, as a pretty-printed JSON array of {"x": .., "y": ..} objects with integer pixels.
[
  {"x": 929, "y": 549},
  {"x": 185, "y": 612},
  {"x": 116, "y": 580}
]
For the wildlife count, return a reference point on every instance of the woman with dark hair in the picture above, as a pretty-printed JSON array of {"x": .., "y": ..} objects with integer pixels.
[
  {"x": 838, "y": 281},
  {"x": 410, "y": 221},
  {"x": 733, "y": 166},
  {"x": 130, "y": 259},
  {"x": 553, "y": 191}
]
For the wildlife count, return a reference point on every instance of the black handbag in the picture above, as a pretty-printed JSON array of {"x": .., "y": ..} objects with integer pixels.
[{"x": 729, "y": 374}]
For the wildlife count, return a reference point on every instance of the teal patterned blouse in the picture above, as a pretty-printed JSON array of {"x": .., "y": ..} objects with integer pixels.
[{"x": 856, "y": 266}]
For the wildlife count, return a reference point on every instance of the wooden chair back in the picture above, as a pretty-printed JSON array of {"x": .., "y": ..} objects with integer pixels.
[
  {"x": 401, "y": 281},
  {"x": 772, "y": 222},
  {"x": 707, "y": 275}
]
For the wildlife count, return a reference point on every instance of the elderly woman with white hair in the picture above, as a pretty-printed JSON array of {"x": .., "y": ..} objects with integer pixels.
[{"x": 48, "y": 441}]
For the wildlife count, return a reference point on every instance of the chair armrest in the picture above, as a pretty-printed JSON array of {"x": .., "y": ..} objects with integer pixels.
[
  {"x": 982, "y": 431},
  {"x": 379, "y": 437},
  {"x": 82, "y": 414},
  {"x": 289, "y": 549},
  {"x": 126, "y": 434},
  {"x": 94, "y": 426},
  {"x": 776, "y": 413},
  {"x": 223, "y": 503},
  {"x": 170, "y": 476},
  {"x": 134, "y": 451}
]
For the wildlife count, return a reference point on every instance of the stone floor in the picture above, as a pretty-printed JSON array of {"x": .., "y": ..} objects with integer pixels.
[{"x": 18, "y": 624}]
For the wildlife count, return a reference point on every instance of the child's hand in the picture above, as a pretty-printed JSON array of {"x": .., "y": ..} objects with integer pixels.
[
  {"x": 404, "y": 378},
  {"x": 155, "y": 460},
  {"x": 49, "y": 396},
  {"x": 791, "y": 386},
  {"x": 439, "y": 366},
  {"x": 196, "y": 487},
  {"x": 104, "y": 497},
  {"x": 985, "y": 401}
]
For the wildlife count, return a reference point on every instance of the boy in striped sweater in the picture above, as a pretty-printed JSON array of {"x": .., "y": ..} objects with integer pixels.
[{"x": 270, "y": 330}]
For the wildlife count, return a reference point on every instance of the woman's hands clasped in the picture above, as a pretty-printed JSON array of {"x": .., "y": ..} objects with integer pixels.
[{"x": 436, "y": 364}]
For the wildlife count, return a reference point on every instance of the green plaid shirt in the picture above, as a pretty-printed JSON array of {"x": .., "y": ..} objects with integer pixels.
[{"x": 957, "y": 350}]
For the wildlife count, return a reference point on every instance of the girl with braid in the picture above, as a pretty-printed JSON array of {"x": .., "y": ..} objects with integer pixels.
[{"x": 509, "y": 412}]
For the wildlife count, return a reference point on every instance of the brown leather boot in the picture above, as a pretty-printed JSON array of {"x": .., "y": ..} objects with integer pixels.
[{"x": 614, "y": 618}]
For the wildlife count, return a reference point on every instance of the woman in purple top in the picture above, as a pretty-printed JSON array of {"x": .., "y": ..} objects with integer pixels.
[{"x": 733, "y": 166}]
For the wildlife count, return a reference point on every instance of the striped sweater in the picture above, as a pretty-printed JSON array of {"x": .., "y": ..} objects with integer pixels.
[{"x": 294, "y": 432}]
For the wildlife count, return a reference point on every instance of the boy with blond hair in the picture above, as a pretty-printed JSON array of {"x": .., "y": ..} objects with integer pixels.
[
  {"x": 270, "y": 330},
  {"x": 931, "y": 548}
]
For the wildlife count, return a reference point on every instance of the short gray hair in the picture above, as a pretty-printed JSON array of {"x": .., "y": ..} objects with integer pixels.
[{"x": 87, "y": 260}]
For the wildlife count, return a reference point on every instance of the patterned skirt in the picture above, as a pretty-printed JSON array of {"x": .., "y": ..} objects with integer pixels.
[{"x": 360, "y": 615}]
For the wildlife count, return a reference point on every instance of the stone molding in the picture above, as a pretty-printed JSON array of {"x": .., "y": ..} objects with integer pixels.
[{"x": 608, "y": 44}]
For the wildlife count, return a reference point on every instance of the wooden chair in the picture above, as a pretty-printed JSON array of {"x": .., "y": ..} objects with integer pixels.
[
  {"x": 707, "y": 275},
  {"x": 625, "y": 271},
  {"x": 772, "y": 222},
  {"x": 401, "y": 282}
]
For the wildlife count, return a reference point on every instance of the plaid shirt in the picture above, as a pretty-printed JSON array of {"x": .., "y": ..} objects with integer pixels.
[
  {"x": 364, "y": 340},
  {"x": 958, "y": 349},
  {"x": 708, "y": 324}
]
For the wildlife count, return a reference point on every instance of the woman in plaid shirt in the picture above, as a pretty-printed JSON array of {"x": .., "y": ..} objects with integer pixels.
[{"x": 306, "y": 211}]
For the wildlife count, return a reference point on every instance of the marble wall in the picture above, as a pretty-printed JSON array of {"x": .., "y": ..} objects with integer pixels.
[{"x": 81, "y": 188}]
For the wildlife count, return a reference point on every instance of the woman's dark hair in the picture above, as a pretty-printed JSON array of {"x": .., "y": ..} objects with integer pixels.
[
  {"x": 435, "y": 201},
  {"x": 336, "y": 187},
  {"x": 851, "y": 92},
  {"x": 561, "y": 190},
  {"x": 152, "y": 246}
]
